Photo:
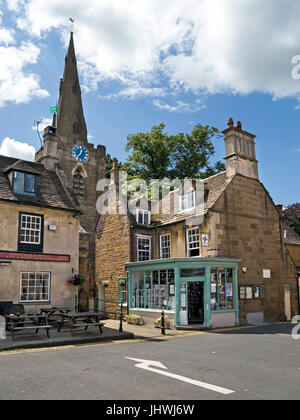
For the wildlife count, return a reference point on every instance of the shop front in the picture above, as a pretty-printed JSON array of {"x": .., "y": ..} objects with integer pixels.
[{"x": 199, "y": 291}]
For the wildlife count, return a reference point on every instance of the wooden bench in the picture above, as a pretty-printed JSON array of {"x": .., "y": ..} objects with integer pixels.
[{"x": 32, "y": 327}]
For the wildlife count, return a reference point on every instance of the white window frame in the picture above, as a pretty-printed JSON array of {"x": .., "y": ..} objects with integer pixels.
[
  {"x": 144, "y": 213},
  {"x": 188, "y": 248},
  {"x": 186, "y": 201},
  {"x": 161, "y": 247},
  {"x": 39, "y": 273},
  {"x": 28, "y": 219},
  {"x": 142, "y": 250}
]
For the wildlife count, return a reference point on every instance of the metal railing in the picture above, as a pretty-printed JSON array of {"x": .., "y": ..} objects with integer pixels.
[{"x": 100, "y": 306}]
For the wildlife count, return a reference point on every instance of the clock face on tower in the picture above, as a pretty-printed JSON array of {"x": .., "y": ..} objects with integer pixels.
[{"x": 80, "y": 153}]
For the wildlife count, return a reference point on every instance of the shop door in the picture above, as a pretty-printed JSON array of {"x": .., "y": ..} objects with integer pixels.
[{"x": 195, "y": 302}]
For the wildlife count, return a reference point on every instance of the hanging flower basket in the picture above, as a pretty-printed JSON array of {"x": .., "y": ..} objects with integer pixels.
[
  {"x": 76, "y": 280},
  {"x": 105, "y": 283},
  {"x": 122, "y": 282}
]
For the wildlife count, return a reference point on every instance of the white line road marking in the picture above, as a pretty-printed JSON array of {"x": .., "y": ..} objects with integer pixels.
[{"x": 145, "y": 364}]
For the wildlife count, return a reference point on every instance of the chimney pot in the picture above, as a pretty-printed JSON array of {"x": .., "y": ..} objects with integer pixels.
[{"x": 230, "y": 123}]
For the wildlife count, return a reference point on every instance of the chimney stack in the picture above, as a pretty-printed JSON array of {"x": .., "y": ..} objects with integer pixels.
[
  {"x": 240, "y": 151},
  {"x": 47, "y": 155},
  {"x": 114, "y": 173}
]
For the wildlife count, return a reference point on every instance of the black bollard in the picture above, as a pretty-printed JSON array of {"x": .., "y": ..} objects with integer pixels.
[{"x": 121, "y": 318}]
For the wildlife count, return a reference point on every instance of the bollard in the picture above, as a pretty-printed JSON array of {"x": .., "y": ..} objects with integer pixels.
[
  {"x": 163, "y": 330},
  {"x": 121, "y": 318},
  {"x": 2, "y": 328}
]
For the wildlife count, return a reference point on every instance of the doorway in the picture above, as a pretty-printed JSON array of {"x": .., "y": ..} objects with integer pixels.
[{"x": 196, "y": 302}]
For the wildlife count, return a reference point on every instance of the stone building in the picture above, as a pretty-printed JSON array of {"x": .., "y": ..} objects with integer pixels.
[
  {"x": 66, "y": 143},
  {"x": 292, "y": 241},
  {"x": 39, "y": 240},
  {"x": 217, "y": 258}
]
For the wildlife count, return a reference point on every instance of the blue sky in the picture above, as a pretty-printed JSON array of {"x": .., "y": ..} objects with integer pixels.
[{"x": 143, "y": 63}]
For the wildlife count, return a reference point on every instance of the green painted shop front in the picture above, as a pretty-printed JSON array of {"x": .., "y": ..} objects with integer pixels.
[{"x": 190, "y": 290}]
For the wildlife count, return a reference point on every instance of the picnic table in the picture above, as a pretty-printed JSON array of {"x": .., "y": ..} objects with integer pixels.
[
  {"x": 53, "y": 312},
  {"x": 80, "y": 319},
  {"x": 25, "y": 322}
]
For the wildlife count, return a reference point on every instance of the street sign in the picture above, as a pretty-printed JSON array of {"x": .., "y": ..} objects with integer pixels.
[{"x": 145, "y": 364}]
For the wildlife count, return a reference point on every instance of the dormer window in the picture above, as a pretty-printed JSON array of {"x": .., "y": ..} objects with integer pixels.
[
  {"x": 143, "y": 217},
  {"x": 24, "y": 183},
  {"x": 187, "y": 201}
]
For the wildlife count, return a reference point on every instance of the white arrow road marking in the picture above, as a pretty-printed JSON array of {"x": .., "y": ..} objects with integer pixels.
[{"x": 145, "y": 364}]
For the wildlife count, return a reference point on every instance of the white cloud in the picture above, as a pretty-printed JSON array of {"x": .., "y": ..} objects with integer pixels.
[
  {"x": 6, "y": 36},
  {"x": 17, "y": 85},
  {"x": 179, "y": 106},
  {"x": 203, "y": 46},
  {"x": 14, "y": 5},
  {"x": 15, "y": 149}
]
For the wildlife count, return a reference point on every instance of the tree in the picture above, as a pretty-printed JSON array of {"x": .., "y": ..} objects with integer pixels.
[
  {"x": 150, "y": 156},
  {"x": 156, "y": 155},
  {"x": 291, "y": 216}
]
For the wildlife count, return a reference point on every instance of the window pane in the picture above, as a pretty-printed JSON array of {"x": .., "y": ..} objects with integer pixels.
[
  {"x": 222, "y": 292},
  {"x": 30, "y": 229},
  {"x": 187, "y": 201},
  {"x": 156, "y": 289},
  {"x": 229, "y": 288},
  {"x": 18, "y": 182},
  {"x": 214, "y": 290},
  {"x": 163, "y": 289},
  {"x": 165, "y": 246},
  {"x": 33, "y": 289},
  {"x": 171, "y": 291},
  {"x": 144, "y": 249},
  {"x": 30, "y": 183},
  {"x": 193, "y": 245}
]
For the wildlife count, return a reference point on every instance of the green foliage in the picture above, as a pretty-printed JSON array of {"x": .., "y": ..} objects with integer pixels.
[
  {"x": 157, "y": 155},
  {"x": 291, "y": 216}
]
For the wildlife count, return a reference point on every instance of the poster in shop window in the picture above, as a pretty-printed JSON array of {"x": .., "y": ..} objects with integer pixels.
[
  {"x": 243, "y": 293},
  {"x": 249, "y": 293},
  {"x": 229, "y": 290}
]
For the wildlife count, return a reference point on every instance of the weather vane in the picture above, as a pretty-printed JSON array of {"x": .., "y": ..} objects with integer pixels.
[{"x": 72, "y": 24}]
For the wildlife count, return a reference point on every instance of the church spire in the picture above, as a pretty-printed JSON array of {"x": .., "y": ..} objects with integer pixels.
[{"x": 70, "y": 117}]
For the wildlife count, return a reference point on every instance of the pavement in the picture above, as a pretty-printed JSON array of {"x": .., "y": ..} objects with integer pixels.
[
  {"x": 111, "y": 333},
  {"x": 249, "y": 363},
  {"x": 29, "y": 340}
]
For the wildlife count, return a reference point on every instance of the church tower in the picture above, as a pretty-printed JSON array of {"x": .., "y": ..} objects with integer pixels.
[{"x": 66, "y": 144}]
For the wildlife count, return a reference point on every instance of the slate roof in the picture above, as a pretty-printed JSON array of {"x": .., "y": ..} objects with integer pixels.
[
  {"x": 214, "y": 186},
  {"x": 51, "y": 192}
]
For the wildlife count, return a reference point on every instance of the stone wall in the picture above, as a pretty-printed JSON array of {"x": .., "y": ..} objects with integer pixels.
[
  {"x": 112, "y": 252},
  {"x": 64, "y": 241},
  {"x": 245, "y": 224}
]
